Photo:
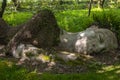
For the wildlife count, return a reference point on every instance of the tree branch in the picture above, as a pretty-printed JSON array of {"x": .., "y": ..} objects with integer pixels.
[{"x": 4, "y": 3}]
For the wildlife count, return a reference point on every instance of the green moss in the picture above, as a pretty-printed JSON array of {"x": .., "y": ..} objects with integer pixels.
[{"x": 46, "y": 58}]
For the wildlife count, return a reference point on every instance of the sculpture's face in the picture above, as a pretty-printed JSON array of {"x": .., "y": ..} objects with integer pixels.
[{"x": 88, "y": 41}]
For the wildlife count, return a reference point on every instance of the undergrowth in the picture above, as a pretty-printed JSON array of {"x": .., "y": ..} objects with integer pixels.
[
  {"x": 76, "y": 20},
  {"x": 17, "y": 18},
  {"x": 10, "y": 71}
]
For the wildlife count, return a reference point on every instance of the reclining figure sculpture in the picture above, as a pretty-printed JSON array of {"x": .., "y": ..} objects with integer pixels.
[{"x": 92, "y": 40}]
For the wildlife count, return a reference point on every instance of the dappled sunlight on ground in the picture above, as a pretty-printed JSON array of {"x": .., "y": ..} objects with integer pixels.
[{"x": 8, "y": 67}]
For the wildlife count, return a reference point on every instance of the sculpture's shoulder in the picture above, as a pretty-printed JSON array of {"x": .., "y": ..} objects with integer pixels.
[{"x": 93, "y": 28}]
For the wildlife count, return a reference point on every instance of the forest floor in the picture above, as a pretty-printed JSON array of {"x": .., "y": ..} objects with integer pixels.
[
  {"x": 102, "y": 66},
  {"x": 85, "y": 63}
]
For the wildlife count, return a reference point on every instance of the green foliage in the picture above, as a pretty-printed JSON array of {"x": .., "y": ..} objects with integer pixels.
[
  {"x": 110, "y": 75},
  {"x": 73, "y": 21},
  {"x": 9, "y": 71},
  {"x": 70, "y": 7},
  {"x": 109, "y": 19},
  {"x": 17, "y": 18},
  {"x": 57, "y": 5}
]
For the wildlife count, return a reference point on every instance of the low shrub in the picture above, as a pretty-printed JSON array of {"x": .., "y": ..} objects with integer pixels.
[
  {"x": 74, "y": 21},
  {"x": 10, "y": 71},
  {"x": 17, "y": 18},
  {"x": 108, "y": 19}
]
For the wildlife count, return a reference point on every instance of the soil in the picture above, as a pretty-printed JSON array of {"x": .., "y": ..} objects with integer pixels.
[{"x": 84, "y": 64}]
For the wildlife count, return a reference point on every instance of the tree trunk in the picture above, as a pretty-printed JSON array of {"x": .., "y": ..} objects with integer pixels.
[
  {"x": 41, "y": 31},
  {"x": 60, "y": 2},
  {"x": 90, "y": 5},
  {"x": 16, "y": 4},
  {"x": 3, "y": 32},
  {"x": 4, "y": 3},
  {"x": 102, "y": 3}
]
